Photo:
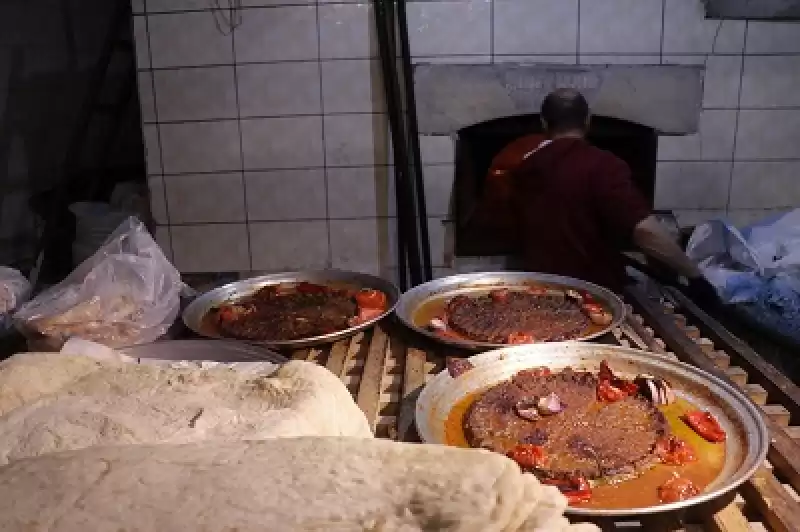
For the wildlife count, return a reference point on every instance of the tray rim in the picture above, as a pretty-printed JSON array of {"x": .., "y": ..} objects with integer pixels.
[
  {"x": 195, "y": 311},
  {"x": 408, "y": 305},
  {"x": 755, "y": 444}
]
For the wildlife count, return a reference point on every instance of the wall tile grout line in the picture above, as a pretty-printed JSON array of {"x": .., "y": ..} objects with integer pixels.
[
  {"x": 379, "y": 113},
  {"x": 738, "y": 114},
  {"x": 434, "y": 164},
  {"x": 241, "y": 143},
  {"x": 491, "y": 31},
  {"x": 158, "y": 137},
  {"x": 425, "y": 58},
  {"x": 329, "y": 255},
  {"x": 663, "y": 34},
  {"x": 578, "y": 37}
]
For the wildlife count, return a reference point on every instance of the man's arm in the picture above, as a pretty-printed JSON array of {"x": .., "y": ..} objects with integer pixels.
[
  {"x": 653, "y": 240},
  {"x": 627, "y": 216}
]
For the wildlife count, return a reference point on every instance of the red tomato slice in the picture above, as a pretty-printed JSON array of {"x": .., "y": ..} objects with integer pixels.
[
  {"x": 576, "y": 497},
  {"x": 226, "y": 313},
  {"x": 673, "y": 451},
  {"x": 605, "y": 373},
  {"x": 628, "y": 387},
  {"x": 575, "y": 489},
  {"x": 310, "y": 288},
  {"x": 593, "y": 308},
  {"x": 520, "y": 338},
  {"x": 500, "y": 295},
  {"x": 536, "y": 372},
  {"x": 608, "y": 393},
  {"x": 372, "y": 299},
  {"x": 705, "y": 425},
  {"x": 528, "y": 456},
  {"x": 449, "y": 333},
  {"x": 365, "y": 315},
  {"x": 677, "y": 489}
]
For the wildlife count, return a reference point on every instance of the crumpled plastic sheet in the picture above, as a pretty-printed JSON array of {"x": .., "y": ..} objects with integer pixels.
[{"x": 756, "y": 269}]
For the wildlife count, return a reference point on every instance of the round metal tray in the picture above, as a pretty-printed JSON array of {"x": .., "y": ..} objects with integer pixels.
[
  {"x": 224, "y": 351},
  {"x": 195, "y": 312},
  {"x": 746, "y": 445},
  {"x": 476, "y": 283}
]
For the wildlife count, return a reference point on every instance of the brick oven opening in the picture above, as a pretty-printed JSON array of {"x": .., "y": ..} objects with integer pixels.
[{"x": 477, "y": 146}]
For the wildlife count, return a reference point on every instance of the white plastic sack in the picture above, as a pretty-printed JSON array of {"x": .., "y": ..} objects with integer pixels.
[
  {"x": 738, "y": 262},
  {"x": 14, "y": 290},
  {"x": 777, "y": 244},
  {"x": 127, "y": 293}
]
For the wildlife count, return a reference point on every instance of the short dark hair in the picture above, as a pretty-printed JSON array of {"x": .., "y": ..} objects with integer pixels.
[{"x": 565, "y": 110}]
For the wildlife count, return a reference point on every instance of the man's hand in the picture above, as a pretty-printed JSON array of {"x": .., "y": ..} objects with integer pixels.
[{"x": 702, "y": 293}]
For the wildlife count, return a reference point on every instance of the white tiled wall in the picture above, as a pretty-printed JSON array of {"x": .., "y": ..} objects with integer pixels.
[{"x": 268, "y": 146}]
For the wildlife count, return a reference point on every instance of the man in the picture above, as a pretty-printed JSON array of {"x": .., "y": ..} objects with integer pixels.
[{"x": 575, "y": 207}]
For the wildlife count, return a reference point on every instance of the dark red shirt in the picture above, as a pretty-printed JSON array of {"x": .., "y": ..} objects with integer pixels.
[{"x": 575, "y": 208}]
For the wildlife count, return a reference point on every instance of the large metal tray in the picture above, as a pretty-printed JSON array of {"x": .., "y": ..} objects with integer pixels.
[
  {"x": 474, "y": 283},
  {"x": 195, "y": 312},
  {"x": 223, "y": 351},
  {"x": 748, "y": 438}
]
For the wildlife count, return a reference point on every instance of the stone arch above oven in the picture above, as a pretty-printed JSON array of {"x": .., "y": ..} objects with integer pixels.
[{"x": 665, "y": 98}]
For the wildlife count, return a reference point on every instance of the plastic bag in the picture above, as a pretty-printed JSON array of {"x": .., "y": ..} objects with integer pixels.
[
  {"x": 14, "y": 290},
  {"x": 127, "y": 293},
  {"x": 756, "y": 269}
]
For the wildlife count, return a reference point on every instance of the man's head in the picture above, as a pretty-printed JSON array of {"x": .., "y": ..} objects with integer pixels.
[{"x": 565, "y": 111}]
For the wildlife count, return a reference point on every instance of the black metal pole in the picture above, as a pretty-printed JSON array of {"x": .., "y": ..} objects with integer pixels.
[
  {"x": 407, "y": 233},
  {"x": 413, "y": 140}
]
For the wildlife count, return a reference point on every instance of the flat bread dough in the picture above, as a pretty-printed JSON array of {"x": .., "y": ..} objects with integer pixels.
[
  {"x": 280, "y": 485},
  {"x": 54, "y": 402}
]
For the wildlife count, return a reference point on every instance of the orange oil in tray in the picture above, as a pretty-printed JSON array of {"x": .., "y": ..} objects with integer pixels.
[{"x": 639, "y": 492}]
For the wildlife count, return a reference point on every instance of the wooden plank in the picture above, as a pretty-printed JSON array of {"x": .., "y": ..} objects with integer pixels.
[
  {"x": 778, "y": 414},
  {"x": 413, "y": 382},
  {"x": 338, "y": 356},
  {"x": 729, "y": 519},
  {"x": 721, "y": 359},
  {"x": 315, "y": 354},
  {"x": 300, "y": 354},
  {"x": 793, "y": 432},
  {"x": 756, "y": 393},
  {"x": 764, "y": 493},
  {"x": 784, "y": 453},
  {"x": 637, "y": 327},
  {"x": 369, "y": 390},
  {"x": 631, "y": 335},
  {"x": 779, "y": 388},
  {"x": 737, "y": 375},
  {"x": 705, "y": 344}
]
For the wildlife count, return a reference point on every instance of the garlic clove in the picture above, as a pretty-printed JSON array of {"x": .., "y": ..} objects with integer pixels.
[
  {"x": 528, "y": 410},
  {"x": 670, "y": 394},
  {"x": 652, "y": 391},
  {"x": 667, "y": 394},
  {"x": 601, "y": 318},
  {"x": 659, "y": 391},
  {"x": 437, "y": 324},
  {"x": 574, "y": 295},
  {"x": 550, "y": 404}
]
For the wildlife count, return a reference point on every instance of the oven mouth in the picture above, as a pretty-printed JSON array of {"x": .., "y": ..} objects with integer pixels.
[{"x": 479, "y": 144}]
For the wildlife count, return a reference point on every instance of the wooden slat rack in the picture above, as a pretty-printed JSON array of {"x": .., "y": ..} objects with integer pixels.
[{"x": 386, "y": 367}]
